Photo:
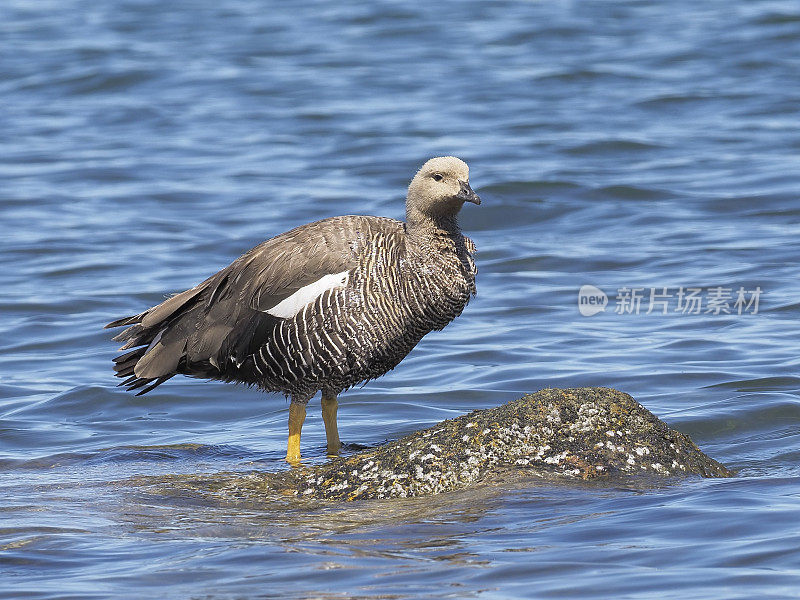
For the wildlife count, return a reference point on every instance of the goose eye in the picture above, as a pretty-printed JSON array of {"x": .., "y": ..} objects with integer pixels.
[{"x": 437, "y": 176}]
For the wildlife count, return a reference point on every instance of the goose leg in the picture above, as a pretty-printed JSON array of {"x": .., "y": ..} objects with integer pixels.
[
  {"x": 297, "y": 414},
  {"x": 330, "y": 406}
]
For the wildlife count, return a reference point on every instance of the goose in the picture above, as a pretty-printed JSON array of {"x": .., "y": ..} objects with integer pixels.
[{"x": 323, "y": 307}]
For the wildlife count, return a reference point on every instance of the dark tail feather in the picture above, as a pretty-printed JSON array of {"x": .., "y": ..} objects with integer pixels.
[
  {"x": 145, "y": 330},
  {"x": 135, "y": 335},
  {"x": 124, "y": 366},
  {"x": 125, "y": 321},
  {"x": 154, "y": 385},
  {"x": 151, "y": 384},
  {"x": 124, "y": 358}
]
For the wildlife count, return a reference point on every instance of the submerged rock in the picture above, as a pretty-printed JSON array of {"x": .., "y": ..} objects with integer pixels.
[{"x": 583, "y": 433}]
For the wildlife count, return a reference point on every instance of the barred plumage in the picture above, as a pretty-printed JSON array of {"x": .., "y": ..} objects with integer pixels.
[{"x": 325, "y": 306}]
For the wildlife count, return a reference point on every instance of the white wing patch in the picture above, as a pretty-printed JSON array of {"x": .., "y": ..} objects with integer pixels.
[{"x": 289, "y": 307}]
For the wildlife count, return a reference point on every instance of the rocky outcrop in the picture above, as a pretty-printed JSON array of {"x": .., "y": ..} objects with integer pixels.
[{"x": 584, "y": 433}]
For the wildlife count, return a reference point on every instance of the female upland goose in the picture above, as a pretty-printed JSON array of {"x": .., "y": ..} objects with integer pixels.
[{"x": 324, "y": 306}]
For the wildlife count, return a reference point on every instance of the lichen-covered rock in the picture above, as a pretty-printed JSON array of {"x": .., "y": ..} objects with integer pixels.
[{"x": 579, "y": 433}]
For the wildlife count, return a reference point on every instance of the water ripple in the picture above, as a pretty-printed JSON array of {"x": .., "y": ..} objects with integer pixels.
[{"x": 621, "y": 144}]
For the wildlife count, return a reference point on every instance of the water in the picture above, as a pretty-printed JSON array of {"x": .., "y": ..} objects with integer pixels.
[{"x": 620, "y": 144}]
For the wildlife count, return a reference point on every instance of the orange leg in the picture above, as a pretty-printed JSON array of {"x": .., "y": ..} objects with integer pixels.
[
  {"x": 297, "y": 415},
  {"x": 330, "y": 405}
]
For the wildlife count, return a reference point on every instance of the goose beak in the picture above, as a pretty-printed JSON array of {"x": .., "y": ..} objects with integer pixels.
[{"x": 466, "y": 194}]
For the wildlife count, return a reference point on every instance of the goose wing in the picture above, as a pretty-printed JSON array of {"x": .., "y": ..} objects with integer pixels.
[{"x": 231, "y": 313}]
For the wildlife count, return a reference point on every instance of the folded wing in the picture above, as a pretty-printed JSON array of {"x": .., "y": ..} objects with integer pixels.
[{"x": 221, "y": 321}]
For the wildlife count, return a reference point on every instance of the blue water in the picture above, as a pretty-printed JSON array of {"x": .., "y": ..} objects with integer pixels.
[{"x": 622, "y": 144}]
